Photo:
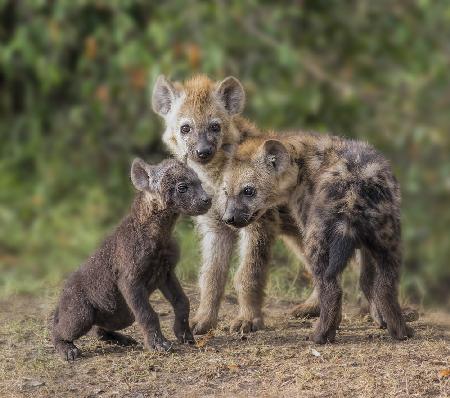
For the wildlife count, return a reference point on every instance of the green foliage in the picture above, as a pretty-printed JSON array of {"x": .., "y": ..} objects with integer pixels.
[{"x": 74, "y": 104}]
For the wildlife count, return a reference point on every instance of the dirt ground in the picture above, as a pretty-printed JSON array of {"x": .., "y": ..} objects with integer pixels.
[{"x": 278, "y": 361}]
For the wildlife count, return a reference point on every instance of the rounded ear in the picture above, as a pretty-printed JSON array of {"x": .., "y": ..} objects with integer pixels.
[
  {"x": 232, "y": 95},
  {"x": 143, "y": 175},
  {"x": 276, "y": 156},
  {"x": 164, "y": 94}
]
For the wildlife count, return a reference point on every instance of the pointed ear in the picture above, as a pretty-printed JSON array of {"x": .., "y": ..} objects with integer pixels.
[
  {"x": 232, "y": 95},
  {"x": 143, "y": 176},
  {"x": 276, "y": 156},
  {"x": 164, "y": 94}
]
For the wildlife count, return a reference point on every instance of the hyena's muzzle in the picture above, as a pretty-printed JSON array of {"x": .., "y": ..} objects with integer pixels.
[
  {"x": 205, "y": 147},
  {"x": 237, "y": 214}
]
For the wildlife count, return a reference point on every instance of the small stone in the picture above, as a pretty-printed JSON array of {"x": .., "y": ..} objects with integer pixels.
[
  {"x": 315, "y": 352},
  {"x": 31, "y": 383}
]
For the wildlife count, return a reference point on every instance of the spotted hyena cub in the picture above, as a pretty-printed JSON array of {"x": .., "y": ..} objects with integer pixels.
[
  {"x": 343, "y": 197},
  {"x": 202, "y": 119},
  {"x": 111, "y": 289}
]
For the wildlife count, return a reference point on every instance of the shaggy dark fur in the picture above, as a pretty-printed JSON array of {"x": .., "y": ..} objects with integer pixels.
[
  {"x": 344, "y": 197},
  {"x": 111, "y": 290}
]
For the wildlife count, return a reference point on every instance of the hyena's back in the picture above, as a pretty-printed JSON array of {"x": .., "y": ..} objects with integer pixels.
[{"x": 357, "y": 199}]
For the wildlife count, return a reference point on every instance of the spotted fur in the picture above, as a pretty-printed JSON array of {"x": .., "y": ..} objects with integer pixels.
[
  {"x": 344, "y": 197},
  {"x": 200, "y": 102}
]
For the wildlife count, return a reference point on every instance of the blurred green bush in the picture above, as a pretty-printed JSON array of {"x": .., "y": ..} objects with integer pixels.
[{"x": 75, "y": 78}]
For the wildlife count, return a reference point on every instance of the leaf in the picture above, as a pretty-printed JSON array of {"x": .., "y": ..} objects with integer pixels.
[
  {"x": 233, "y": 367},
  {"x": 315, "y": 352},
  {"x": 194, "y": 55},
  {"x": 138, "y": 77},
  {"x": 203, "y": 341},
  {"x": 444, "y": 373},
  {"x": 90, "y": 47}
]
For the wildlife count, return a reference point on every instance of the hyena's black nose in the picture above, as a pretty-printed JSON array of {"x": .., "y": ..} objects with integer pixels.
[
  {"x": 204, "y": 153},
  {"x": 229, "y": 220},
  {"x": 206, "y": 200}
]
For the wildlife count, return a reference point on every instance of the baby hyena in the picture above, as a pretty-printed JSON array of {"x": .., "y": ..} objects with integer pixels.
[
  {"x": 111, "y": 290},
  {"x": 344, "y": 197},
  {"x": 203, "y": 120}
]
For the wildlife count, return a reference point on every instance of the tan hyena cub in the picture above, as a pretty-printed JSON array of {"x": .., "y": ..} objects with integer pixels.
[
  {"x": 202, "y": 119},
  {"x": 344, "y": 197}
]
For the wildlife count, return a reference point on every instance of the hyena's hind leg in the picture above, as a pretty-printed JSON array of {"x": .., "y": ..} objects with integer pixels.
[
  {"x": 328, "y": 258},
  {"x": 72, "y": 319},
  {"x": 113, "y": 337},
  {"x": 330, "y": 296},
  {"x": 366, "y": 281},
  {"x": 385, "y": 290}
]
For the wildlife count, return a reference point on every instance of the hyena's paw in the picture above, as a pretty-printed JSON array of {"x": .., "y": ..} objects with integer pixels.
[
  {"x": 68, "y": 351},
  {"x": 402, "y": 332},
  {"x": 305, "y": 310},
  {"x": 201, "y": 324},
  {"x": 160, "y": 343},
  {"x": 321, "y": 337},
  {"x": 245, "y": 326},
  {"x": 184, "y": 335}
]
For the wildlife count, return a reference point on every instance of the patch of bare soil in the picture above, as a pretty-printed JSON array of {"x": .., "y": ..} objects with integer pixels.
[{"x": 278, "y": 361}]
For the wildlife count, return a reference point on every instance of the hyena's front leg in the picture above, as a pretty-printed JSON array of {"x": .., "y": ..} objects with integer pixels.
[
  {"x": 136, "y": 297},
  {"x": 256, "y": 242},
  {"x": 174, "y": 293},
  {"x": 217, "y": 248}
]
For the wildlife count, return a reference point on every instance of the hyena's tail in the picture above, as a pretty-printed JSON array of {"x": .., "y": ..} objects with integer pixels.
[{"x": 342, "y": 248}]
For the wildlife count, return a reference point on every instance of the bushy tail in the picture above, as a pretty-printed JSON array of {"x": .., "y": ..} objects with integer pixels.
[{"x": 341, "y": 250}]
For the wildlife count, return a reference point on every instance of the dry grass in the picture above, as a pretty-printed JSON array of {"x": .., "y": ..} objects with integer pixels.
[{"x": 278, "y": 361}]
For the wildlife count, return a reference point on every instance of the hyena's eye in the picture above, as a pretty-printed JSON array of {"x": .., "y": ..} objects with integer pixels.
[
  {"x": 182, "y": 188},
  {"x": 249, "y": 191},
  {"x": 185, "y": 129},
  {"x": 214, "y": 127}
]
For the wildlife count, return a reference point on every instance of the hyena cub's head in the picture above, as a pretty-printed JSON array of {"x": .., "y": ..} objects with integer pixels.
[
  {"x": 198, "y": 115},
  {"x": 256, "y": 179},
  {"x": 172, "y": 184}
]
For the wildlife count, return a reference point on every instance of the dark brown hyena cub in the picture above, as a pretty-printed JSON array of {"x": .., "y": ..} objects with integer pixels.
[
  {"x": 111, "y": 290},
  {"x": 343, "y": 197}
]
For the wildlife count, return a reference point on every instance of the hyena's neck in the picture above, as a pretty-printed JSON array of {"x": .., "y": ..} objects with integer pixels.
[
  {"x": 211, "y": 173},
  {"x": 151, "y": 217},
  {"x": 313, "y": 154}
]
